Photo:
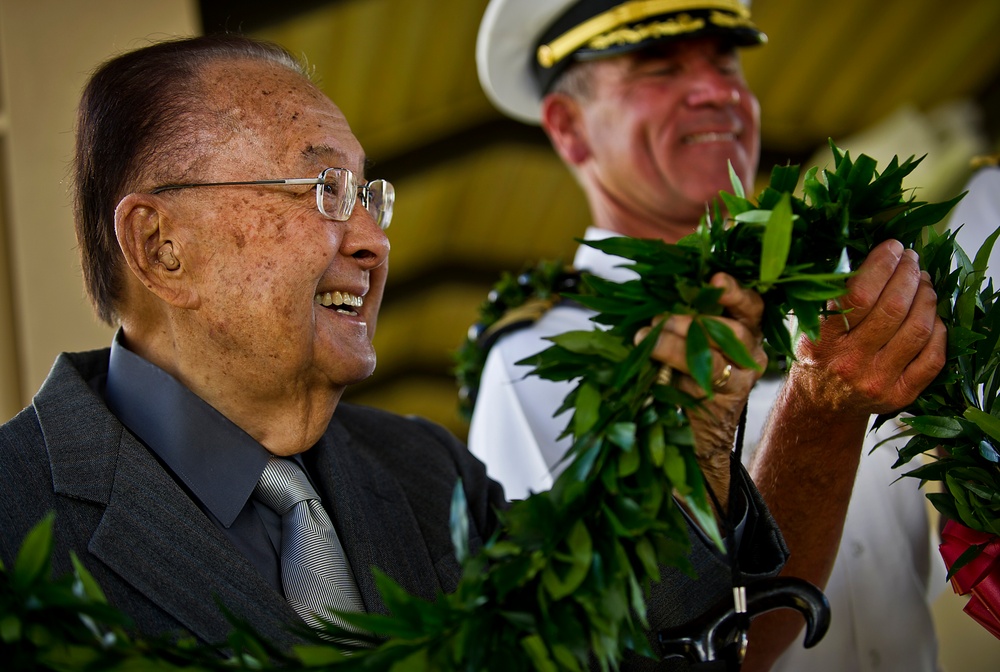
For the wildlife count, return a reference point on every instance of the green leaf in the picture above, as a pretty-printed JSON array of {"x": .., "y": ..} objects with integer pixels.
[
  {"x": 565, "y": 658},
  {"x": 813, "y": 290},
  {"x": 699, "y": 356},
  {"x": 784, "y": 178},
  {"x": 861, "y": 173},
  {"x": 815, "y": 191},
  {"x": 622, "y": 434},
  {"x": 967, "y": 556},
  {"x": 595, "y": 343},
  {"x": 628, "y": 463},
  {"x": 459, "y": 523},
  {"x": 961, "y": 341},
  {"x": 534, "y": 646},
  {"x": 588, "y": 409},
  {"x": 734, "y": 204},
  {"x": 636, "y": 360},
  {"x": 730, "y": 345},
  {"x": 406, "y": 608},
  {"x": 10, "y": 628},
  {"x": 317, "y": 655},
  {"x": 675, "y": 468},
  {"x": 938, "y": 427},
  {"x": 87, "y": 582},
  {"x": 647, "y": 556},
  {"x": 34, "y": 556},
  {"x": 777, "y": 241},
  {"x": 416, "y": 662},
  {"x": 961, "y": 501},
  {"x": 581, "y": 553},
  {"x": 705, "y": 519},
  {"x": 917, "y": 445},
  {"x": 988, "y": 452},
  {"x": 984, "y": 421},
  {"x": 735, "y": 181},
  {"x": 753, "y": 217},
  {"x": 656, "y": 444},
  {"x": 776, "y": 332}
]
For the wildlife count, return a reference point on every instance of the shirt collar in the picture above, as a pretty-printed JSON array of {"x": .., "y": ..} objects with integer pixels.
[
  {"x": 600, "y": 264},
  {"x": 217, "y": 461}
]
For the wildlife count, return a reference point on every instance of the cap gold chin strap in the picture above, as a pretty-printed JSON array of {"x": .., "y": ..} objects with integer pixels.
[{"x": 627, "y": 12}]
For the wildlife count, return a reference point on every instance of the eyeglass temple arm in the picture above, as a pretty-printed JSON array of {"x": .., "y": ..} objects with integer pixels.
[{"x": 292, "y": 180}]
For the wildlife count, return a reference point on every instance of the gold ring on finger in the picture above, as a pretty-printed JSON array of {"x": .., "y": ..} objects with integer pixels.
[
  {"x": 723, "y": 378},
  {"x": 664, "y": 375}
]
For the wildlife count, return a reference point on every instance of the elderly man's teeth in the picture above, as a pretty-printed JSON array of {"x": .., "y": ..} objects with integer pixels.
[{"x": 339, "y": 299}]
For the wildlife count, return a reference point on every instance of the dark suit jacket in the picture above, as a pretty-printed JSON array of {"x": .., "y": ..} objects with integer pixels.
[{"x": 387, "y": 482}]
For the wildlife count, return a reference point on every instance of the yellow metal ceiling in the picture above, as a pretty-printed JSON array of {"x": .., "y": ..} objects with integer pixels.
[{"x": 477, "y": 193}]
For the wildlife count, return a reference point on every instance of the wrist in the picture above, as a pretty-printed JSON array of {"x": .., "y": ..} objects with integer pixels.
[{"x": 820, "y": 394}]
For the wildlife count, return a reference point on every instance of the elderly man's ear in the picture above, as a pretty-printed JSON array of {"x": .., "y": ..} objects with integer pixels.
[{"x": 155, "y": 259}]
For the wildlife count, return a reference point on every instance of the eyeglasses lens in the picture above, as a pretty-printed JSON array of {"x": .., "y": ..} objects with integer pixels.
[
  {"x": 339, "y": 192},
  {"x": 381, "y": 197}
]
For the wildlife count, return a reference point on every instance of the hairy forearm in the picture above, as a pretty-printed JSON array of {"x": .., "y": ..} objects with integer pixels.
[{"x": 804, "y": 468}]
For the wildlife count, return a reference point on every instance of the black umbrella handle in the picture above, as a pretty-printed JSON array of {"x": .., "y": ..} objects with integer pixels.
[{"x": 717, "y": 635}]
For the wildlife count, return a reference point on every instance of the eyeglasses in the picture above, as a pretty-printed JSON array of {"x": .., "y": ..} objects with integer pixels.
[{"x": 336, "y": 193}]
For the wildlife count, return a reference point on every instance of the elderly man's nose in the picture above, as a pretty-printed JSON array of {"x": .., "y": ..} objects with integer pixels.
[{"x": 364, "y": 239}]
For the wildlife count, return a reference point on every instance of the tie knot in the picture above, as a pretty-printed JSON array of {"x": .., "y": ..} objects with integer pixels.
[{"x": 282, "y": 485}]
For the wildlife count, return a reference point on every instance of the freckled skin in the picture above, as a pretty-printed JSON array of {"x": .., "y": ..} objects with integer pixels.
[{"x": 257, "y": 347}]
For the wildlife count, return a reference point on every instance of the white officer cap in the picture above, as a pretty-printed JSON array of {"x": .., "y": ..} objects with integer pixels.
[{"x": 524, "y": 45}]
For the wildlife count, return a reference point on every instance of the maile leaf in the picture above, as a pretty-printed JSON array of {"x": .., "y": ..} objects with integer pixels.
[
  {"x": 459, "y": 523},
  {"x": 33, "y": 558},
  {"x": 938, "y": 427},
  {"x": 735, "y": 181},
  {"x": 588, "y": 405},
  {"x": 730, "y": 345},
  {"x": 985, "y": 422},
  {"x": 777, "y": 241},
  {"x": 699, "y": 356}
]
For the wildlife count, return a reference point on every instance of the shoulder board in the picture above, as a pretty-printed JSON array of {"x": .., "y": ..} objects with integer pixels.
[{"x": 514, "y": 302}]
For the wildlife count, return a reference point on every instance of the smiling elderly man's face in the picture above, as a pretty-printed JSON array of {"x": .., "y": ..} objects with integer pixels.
[{"x": 262, "y": 258}]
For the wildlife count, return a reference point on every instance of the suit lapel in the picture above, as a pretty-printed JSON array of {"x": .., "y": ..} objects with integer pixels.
[
  {"x": 156, "y": 538},
  {"x": 152, "y": 535},
  {"x": 373, "y": 518}
]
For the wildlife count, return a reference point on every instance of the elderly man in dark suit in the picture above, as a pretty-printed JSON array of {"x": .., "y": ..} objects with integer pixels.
[{"x": 246, "y": 290}]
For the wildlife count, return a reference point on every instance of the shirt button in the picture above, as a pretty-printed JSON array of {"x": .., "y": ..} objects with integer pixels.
[{"x": 857, "y": 549}]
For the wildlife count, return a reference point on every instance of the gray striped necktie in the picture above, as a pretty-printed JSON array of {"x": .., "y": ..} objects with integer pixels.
[{"x": 314, "y": 570}]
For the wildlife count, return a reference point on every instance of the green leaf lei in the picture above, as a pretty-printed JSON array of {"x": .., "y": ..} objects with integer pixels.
[{"x": 567, "y": 578}]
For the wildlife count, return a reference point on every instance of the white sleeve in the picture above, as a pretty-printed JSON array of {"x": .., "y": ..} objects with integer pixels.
[
  {"x": 513, "y": 430},
  {"x": 978, "y": 215}
]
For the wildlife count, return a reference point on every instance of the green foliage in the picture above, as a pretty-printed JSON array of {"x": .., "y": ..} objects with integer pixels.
[
  {"x": 66, "y": 623},
  {"x": 956, "y": 421},
  {"x": 566, "y": 581}
]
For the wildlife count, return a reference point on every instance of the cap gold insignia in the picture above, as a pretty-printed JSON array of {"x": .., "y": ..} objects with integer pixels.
[{"x": 630, "y": 12}]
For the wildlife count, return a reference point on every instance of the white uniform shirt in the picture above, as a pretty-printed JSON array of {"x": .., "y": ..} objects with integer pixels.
[
  {"x": 888, "y": 568},
  {"x": 978, "y": 214}
]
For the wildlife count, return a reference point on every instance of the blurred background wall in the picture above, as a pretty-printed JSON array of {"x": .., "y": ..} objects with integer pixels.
[{"x": 476, "y": 193}]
